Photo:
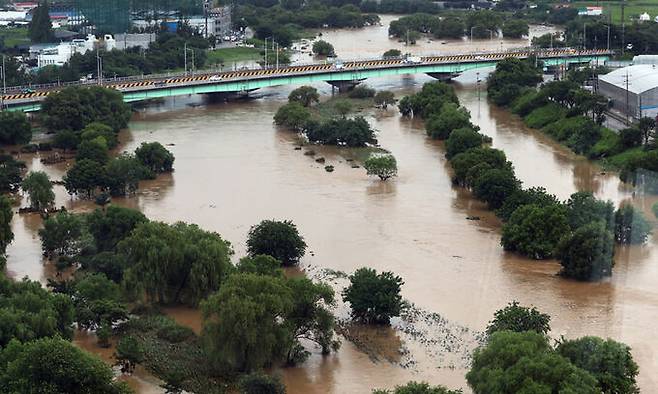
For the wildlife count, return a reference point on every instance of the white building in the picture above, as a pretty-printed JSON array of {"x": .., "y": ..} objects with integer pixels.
[
  {"x": 60, "y": 54},
  {"x": 645, "y": 17}
]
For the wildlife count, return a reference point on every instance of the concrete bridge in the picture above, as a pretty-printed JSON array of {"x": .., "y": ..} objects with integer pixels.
[{"x": 343, "y": 76}]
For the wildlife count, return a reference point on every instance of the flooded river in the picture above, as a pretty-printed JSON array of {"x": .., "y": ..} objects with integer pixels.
[{"x": 234, "y": 168}]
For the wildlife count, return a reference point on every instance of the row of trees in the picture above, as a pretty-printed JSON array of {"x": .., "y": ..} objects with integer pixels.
[
  {"x": 579, "y": 232},
  {"x": 481, "y": 24},
  {"x": 574, "y": 117}
]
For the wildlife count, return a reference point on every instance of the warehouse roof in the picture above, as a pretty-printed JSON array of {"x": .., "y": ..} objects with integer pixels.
[
  {"x": 641, "y": 78},
  {"x": 645, "y": 59}
]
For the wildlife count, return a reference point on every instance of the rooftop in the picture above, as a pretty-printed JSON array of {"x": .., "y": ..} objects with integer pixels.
[{"x": 641, "y": 77}]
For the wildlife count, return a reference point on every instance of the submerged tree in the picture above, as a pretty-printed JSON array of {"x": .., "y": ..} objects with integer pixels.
[
  {"x": 39, "y": 189},
  {"x": 515, "y": 317},
  {"x": 279, "y": 239},
  {"x": 383, "y": 166},
  {"x": 374, "y": 298}
]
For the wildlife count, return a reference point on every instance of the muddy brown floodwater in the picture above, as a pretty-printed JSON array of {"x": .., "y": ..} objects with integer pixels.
[{"x": 234, "y": 168}]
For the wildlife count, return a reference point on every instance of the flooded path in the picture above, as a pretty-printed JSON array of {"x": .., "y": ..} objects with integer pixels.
[{"x": 234, "y": 168}]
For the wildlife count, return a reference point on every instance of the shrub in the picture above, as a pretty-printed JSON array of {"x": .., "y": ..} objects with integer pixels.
[
  {"x": 175, "y": 333},
  {"x": 519, "y": 319},
  {"x": 292, "y": 115},
  {"x": 361, "y": 92},
  {"x": 261, "y": 383},
  {"x": 495, "y": 185},
  {"x": 528, "y": 101},
  {"x": 155, "y": 157},
  {"x": 14, "y": 128},
  {"x": 544, "y": 115},
  {"x": 609, "y": 144}
]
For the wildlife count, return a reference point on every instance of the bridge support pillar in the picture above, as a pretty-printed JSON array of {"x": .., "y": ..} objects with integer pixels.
[
  {"x": 345, "y": 86},
  {"x": 444, "y": 76}
]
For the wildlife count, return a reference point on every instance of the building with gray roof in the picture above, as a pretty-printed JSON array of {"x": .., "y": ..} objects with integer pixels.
[{"x": 633, "y": 90}]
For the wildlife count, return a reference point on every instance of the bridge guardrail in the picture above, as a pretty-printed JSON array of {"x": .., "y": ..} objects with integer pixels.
[{"x": 51, "y": 86}]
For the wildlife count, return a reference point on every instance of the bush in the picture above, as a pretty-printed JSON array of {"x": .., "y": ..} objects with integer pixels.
[
  {"x": 534, "y": 195},
  {"x": 609, "y": 145},
  {"x": 323, "y": 48},
  {"x": 175, "y": 333},
  {"x": 344, "y": 132},
  {"x": 361, "y": 92},
  {"x": 630, "y": 137},
  {"x": 544, "y": 115},
  {"x": 528, "y": 101},
  {"x": 261, "y": 383},
  {"x": 463, "y": 163},
  {"x": 588, "y": 253},
  {"x": 392, "y": 53},
  {"x": 578, "y": 133},
  {"x": 519, "y": 319},
  {"x": 279, "y": 239}
]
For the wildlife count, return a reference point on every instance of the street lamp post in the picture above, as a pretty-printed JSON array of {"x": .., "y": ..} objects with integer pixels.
[
  {"x": 472, "y": 27},
  {"x": 185, "y": 56},
  {"x": 4, "y": 84}
]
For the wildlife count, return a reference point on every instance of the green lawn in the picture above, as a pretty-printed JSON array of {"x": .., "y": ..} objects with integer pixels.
[
  {"x": 13, "y": 36},
  {"x": 229, "y": 55},
  {"x": 632, "y": 10}
]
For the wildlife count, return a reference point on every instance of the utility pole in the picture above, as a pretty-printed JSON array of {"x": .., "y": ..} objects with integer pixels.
[
  {"x": 185, "y": 57},
  {"x": 99, "y": 67},
  {"x": 206, "y": 8},
  {"x": 628, "y": 110},
  {"x": 4, "y": 83},
  {"x": 277, "y": 55},
  {"x": 266, "y": 51},
  {"x": 623, "y": 28},
  {"x": 584, "y": 36},
  {"x": 608, "y": 47}
]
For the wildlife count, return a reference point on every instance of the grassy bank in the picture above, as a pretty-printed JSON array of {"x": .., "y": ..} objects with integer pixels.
[
  {"x": 236, "y": 54},
  {"x": 13, "y": 36},
  {"x": 632, "y": 10}
]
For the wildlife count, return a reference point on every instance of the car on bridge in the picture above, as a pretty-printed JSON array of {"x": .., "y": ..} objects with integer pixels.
[
  {"x": 413, "y": 59},
  {"x": 215, "y": 78}
]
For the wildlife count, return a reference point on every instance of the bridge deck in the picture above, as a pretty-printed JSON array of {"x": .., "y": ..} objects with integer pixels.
[{"x": 239, "y": 80}]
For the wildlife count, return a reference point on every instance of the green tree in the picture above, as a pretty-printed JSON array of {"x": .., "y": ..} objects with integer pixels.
[
  {"x": 61, "y": 234},
  {"x": 260, "y": 264},
  {"x": 38, "y": 187},
  {"x": 451, "y": 117},
  {"x": 110, "y": 226},
  {"x": 515, "y": 28},
  {"x": 261, "y": 383},
  {"x": 85, "y": 177},
  {"x": 374, "y": 298},
  {"x": 495, "y": 185},
  {"x": 630, "y": 226},
  {"x": 292, "y": 115},
  {"x": 535, "y": 230},
  {"x": 98, "y": 302},
  {"x": 515, "y": 317},
  {"x": 654, "y": 209},
  {"x": 512, "y": 75},
  {"x": 323, "y": 48},
  {"x": 450, "y": 28},
  {"x": 309, "y": 318},
  {"x": 417, "y": 388},
  {"x": 95, "y": 150},
  {"x": 610, "y": 362},
  {"x": 461, "y": 140},
  {"x": 647, "y": 126},
  {"x": 96, "y": 129},
  {"x": 173, "y": 264},
  {"x": 391, "y": 54},
  {"x": 305, "y": 95},
  {"x": 28, "y": 312},
  {"x": 242, "y": 327},
  {"x": 14, "y": 128},
  {"x": 124, "y": 173},
  {"x": 631, "y": 137},
  {"x": 383, "y": 166},
  {"x": 588, "y": 253},
  {"x": 533, "y": 195},
  {"x": 384, "y": 98},
  {"x": 279, "y": 239},
  {"x": 6, "y": 234},
  {"x": 361, "y": 92},
  {"x": 10, "y": 173},
  {"x": 41, "y": 30},
  {"x": 583, "y": 208},
  {"x": 343, "y": 107},
  {"x": 463, "y": 163},
  {"x": 129, "y": 352},
  {"x": 66, "y": 140},
  {"x": 53, "y": 365},
  {"x": 74, "y": 108},
  {"x": 155, "y": 157},
  {"x": 514, "y": 362},
  {"x": 110, "y": 264}
]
